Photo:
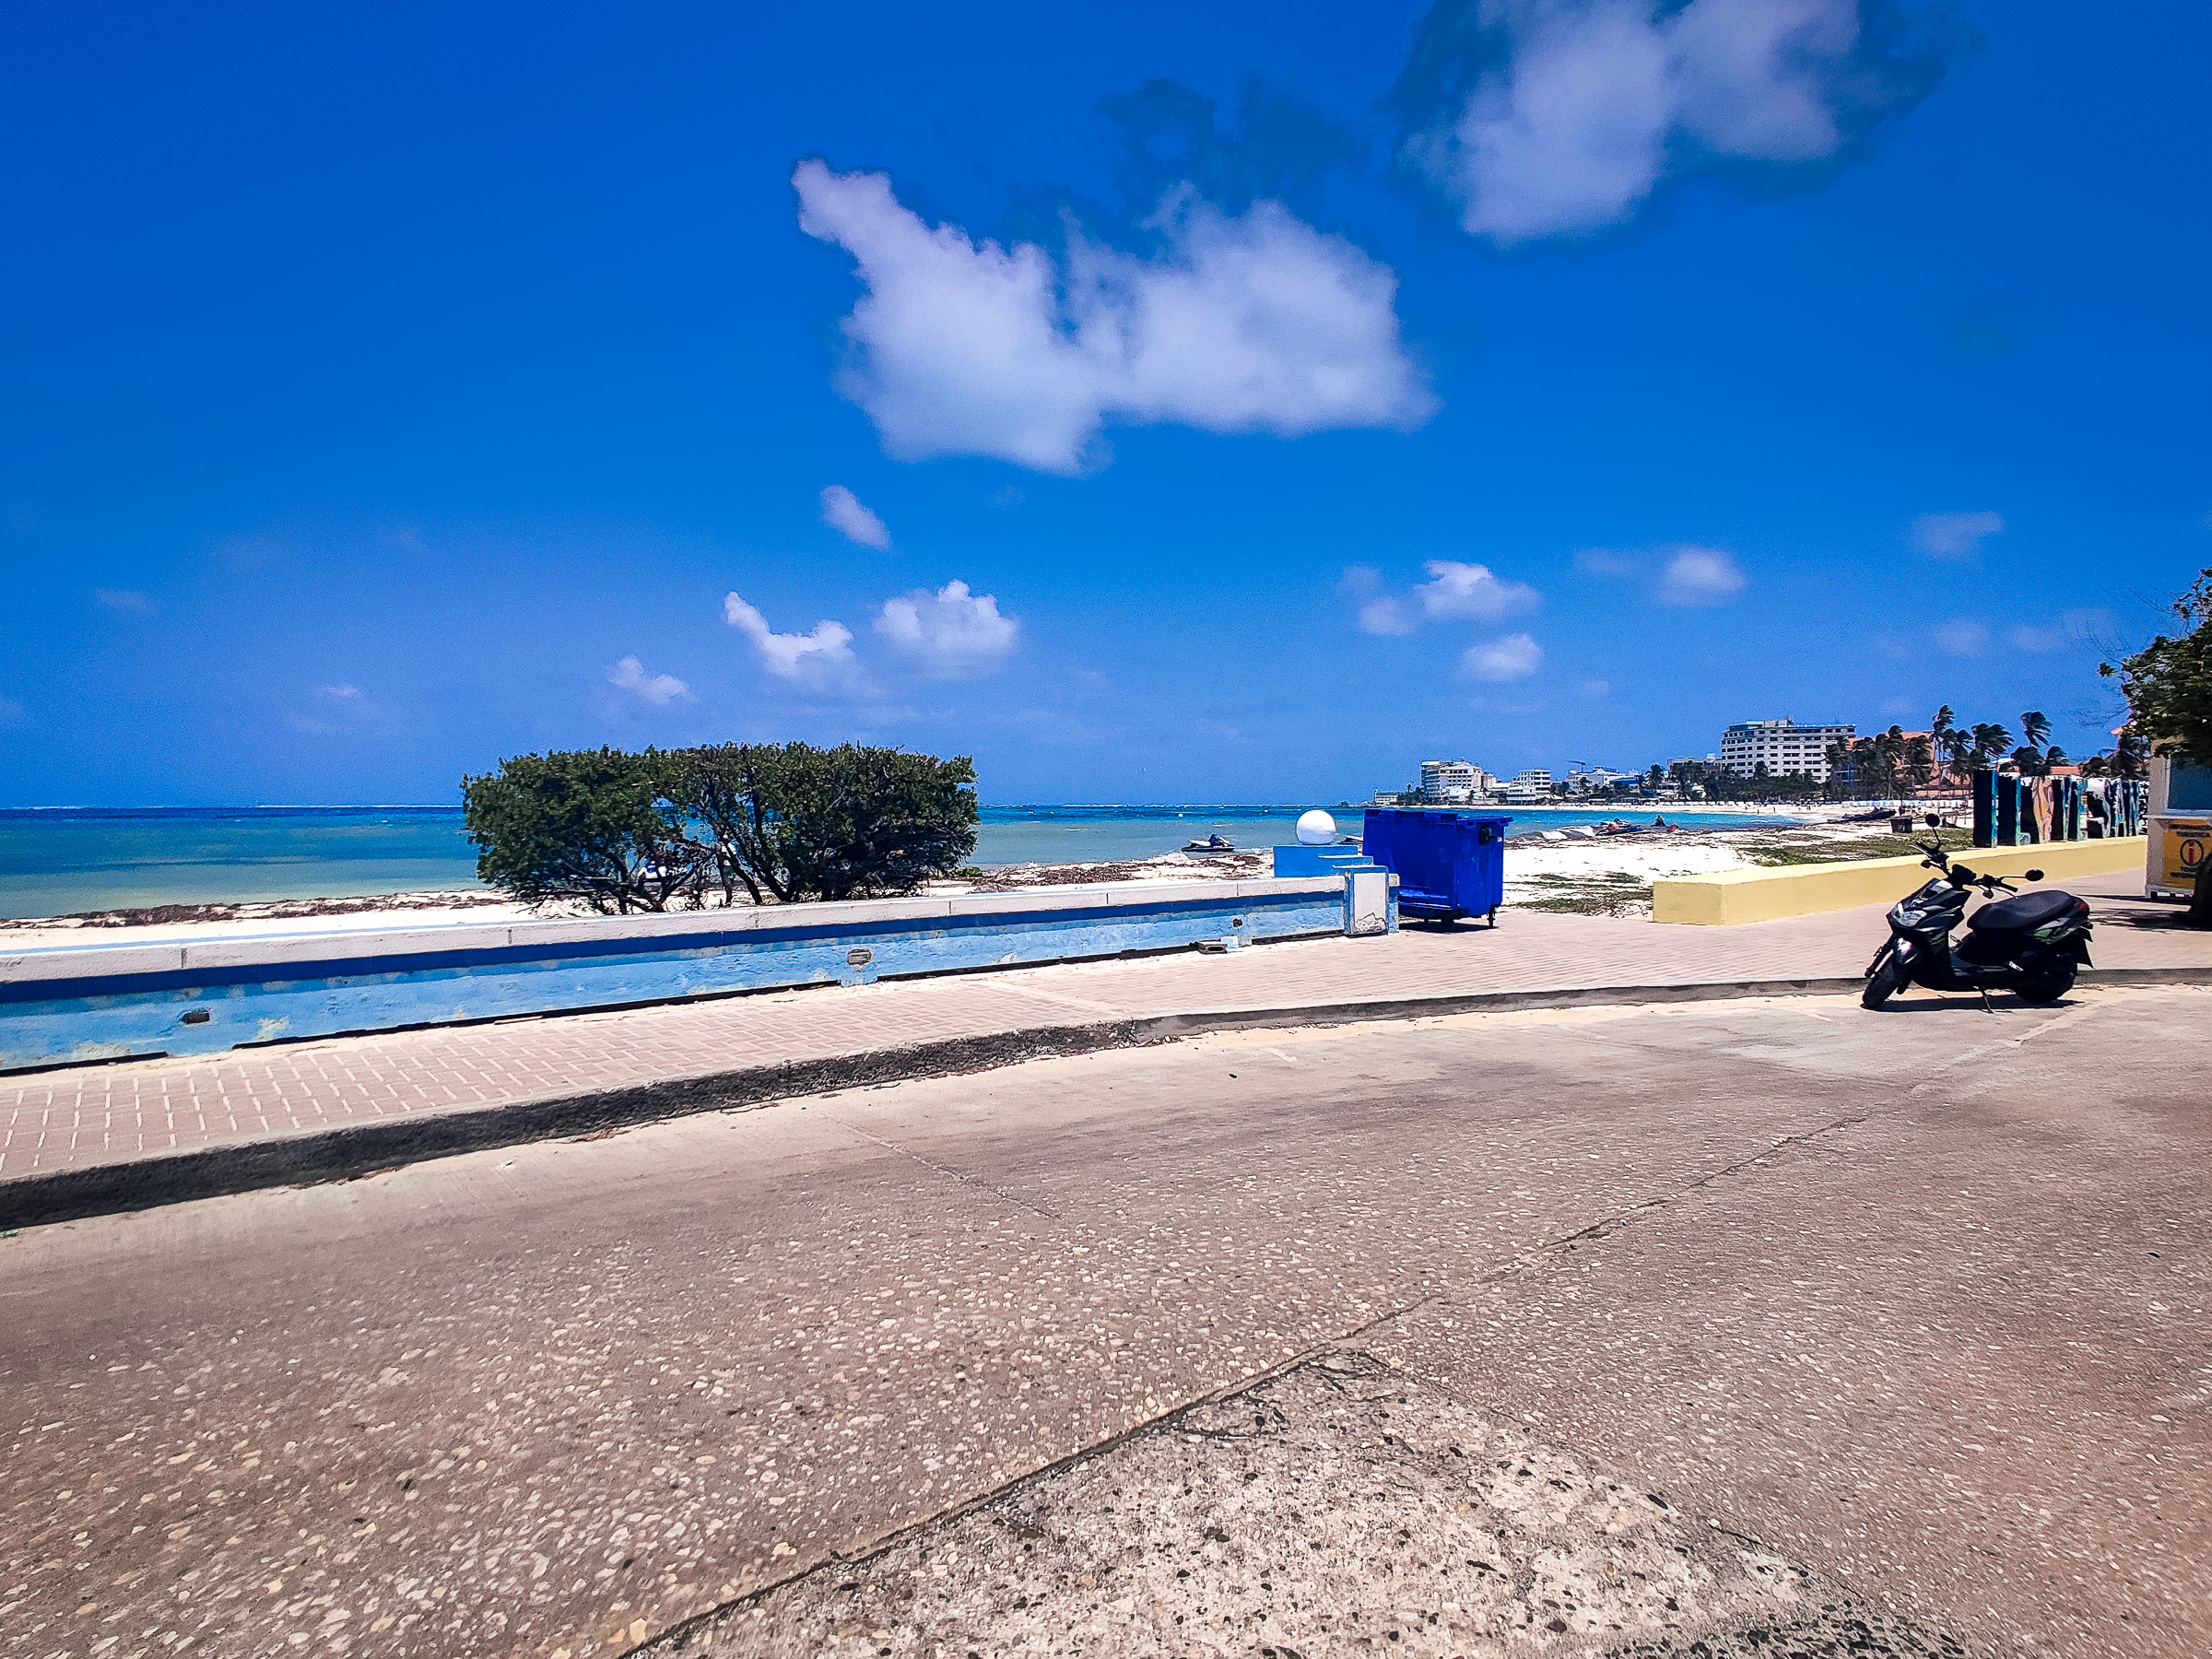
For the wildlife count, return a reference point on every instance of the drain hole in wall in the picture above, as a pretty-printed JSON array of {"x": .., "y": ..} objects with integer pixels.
[{"x": 197, "y": 1016}]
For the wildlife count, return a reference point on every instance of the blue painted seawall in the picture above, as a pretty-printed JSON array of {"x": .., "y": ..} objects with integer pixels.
[{"x": 74, "y": 1004}]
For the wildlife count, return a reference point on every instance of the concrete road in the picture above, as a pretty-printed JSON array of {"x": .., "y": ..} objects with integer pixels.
[{"x": 1834, "y": 1326}]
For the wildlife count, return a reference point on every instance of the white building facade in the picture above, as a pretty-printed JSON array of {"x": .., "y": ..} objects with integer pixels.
[
  {"x": 1782, "y": 747},
  {"x": 1444, "y": 783},
  {"x": 1529, "y": 788}
]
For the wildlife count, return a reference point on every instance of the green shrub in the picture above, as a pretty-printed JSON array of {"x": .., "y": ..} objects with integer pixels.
[
  {"x": 786, "y": 822},
  {"x": 790, "y": 822},
  {"x": 589, "y": 824}
]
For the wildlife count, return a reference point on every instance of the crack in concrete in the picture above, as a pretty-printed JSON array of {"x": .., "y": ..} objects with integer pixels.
[
  {"x": 1362, "y": 1505},
  {"x": 1350, "y": 1341},
  {"x": 959, "y": 1176},
  {"x": 1607, "y": 1225},
  {"x": 1353, "y": 1341}
]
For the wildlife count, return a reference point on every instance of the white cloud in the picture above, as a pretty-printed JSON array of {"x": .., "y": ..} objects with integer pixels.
[
  {"x": 122, "y": 599},
  {"x": 12, "y": 712},
  {"x": 841, "y": 511},
  {"x": 335, "y": 708},
  {"x": 628, "y": 674},
  {"x": 1453, "y": 590},
  {"x": 1469, "y": 590},
  {"x": 1700, "y": 576},
  {"x": 2076, "y": 627},
  {"x": 1387, "y": 615},
  {"x": 1257, "y": 324},
  {"x": 953, "y": 634},
  {"x": 1596, "y": 687},
  {"x": 1516, "y": 656},
  {"x": 1598, "y": 99},
  {"x": 1954, "y": 535},
  {"x": 823, "y": 655},
  {"x": 1380, "y": 613},
  {"x": 1963, "y": 638}
]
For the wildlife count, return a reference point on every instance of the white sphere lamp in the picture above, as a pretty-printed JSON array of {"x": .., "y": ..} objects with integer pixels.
[{"x": 1316, "y": 828}]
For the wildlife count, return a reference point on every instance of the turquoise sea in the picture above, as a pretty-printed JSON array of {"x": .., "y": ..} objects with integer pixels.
[{"x": 58, "y": 861}]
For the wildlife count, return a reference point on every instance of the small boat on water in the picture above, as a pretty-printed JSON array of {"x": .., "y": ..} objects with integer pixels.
[{"x": 1212, "y": 843}]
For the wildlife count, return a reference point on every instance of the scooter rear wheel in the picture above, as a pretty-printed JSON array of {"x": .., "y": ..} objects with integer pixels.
[
  {"x": 2047, "y": 986},
  {"x": 1887, "y": 980}
]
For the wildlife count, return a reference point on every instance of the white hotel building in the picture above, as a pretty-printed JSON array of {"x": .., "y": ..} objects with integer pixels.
[
  {"x": 1781, "y": 745},
  {"x": 1453, "y": 782}
]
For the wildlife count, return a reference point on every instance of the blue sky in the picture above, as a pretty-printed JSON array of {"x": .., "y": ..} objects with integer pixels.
[{"x": 1234, "y": 403}]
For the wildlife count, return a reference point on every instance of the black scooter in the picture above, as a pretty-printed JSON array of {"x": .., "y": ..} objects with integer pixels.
[{"x": 2031, "y": 945}]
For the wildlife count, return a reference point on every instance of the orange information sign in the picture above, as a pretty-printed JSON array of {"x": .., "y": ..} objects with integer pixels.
[{"x": 2183, "y": 849}]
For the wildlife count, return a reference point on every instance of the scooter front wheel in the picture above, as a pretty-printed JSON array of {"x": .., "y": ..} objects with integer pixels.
[
  {"x": 2047, "y": 986},
  {"x": 1887, "y": 980}
]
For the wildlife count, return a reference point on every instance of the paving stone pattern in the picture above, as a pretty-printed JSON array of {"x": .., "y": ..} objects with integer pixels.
[{"x": 69, "y": 1118}]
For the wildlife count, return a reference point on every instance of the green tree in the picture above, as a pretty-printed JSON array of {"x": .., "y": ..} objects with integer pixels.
[
  {"x": 2126, "y": 758},
  {"x": 2168, "y": 685},
  {"x": 793, "y": 822},
  {"x": 2131, "y": 755},
  {"x": 712, "y": 789},
  {"x": 787, "y": 822},
  {"x": 1990, "y": 741},
  {"x": 1917, "y": 765},
  {"x": 1840, "y": 781},
  {"x": 582, "y": 824},
  {"x": 1956, "y": 748}
]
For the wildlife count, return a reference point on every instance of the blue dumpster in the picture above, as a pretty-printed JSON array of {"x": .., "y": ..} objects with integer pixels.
[{"x": 1448, "y": 863}]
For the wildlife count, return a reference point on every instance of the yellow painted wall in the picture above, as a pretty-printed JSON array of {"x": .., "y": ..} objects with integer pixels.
[{"x": 1733, "y": 895}]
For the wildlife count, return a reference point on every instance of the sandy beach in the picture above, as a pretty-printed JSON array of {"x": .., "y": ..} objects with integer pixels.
[{"x": 1570, "y": 870}]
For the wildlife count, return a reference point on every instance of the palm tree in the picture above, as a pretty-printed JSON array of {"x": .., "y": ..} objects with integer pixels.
[
  {"x": 2131, "y": 755},
  {"x": 2034, "y": 728},
  {"x": 1940, "y": 727},
  {"x": 1956, "y": 748},
  {"x": 1990, "y": 741},
  {"x": 1919, "y": 765}
]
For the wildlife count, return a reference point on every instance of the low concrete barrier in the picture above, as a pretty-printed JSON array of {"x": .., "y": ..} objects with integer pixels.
[
  {"x": 1728, "y": 897},
  {"x": 75, "y": 1004}
]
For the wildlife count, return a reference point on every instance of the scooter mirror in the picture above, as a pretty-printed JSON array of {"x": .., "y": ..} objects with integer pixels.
[
  {"x": 1935, "y": 821},
  {"x": 2032, "y": 874}
]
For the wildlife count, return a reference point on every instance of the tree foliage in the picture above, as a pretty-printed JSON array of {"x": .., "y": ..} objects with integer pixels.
[
  {"x": 791, "y": 821},
  {"x": 663, "y": 829},
  {"x": 589, "y": 824},
  {"x": 2168, "y": 683}
]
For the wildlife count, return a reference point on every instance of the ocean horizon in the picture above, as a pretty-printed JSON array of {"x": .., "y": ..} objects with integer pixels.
[{"x": 59, "y": 861}]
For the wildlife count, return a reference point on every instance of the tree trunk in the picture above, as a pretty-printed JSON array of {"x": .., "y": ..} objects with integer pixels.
[{"x": 2200, "y": 914}]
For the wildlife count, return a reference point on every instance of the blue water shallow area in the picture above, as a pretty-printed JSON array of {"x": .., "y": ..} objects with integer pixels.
[{"x": 61, "y": 861}]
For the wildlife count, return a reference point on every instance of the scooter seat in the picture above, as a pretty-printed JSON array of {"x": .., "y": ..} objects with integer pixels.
[{"x": 2017, "y": 915}]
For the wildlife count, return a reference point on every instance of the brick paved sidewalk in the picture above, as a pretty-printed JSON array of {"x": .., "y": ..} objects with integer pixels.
[{"x": 69, "y": 1119}]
